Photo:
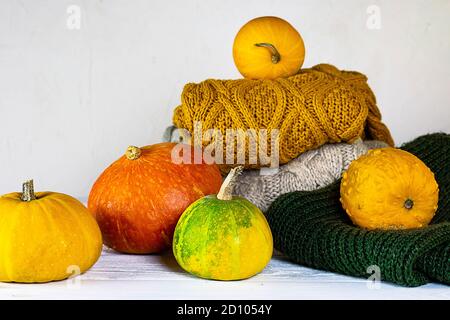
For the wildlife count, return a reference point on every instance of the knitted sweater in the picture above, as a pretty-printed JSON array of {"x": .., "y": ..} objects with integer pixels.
[
  {"x": 314, "y": 107},
  {"x": 312, "y": 229},
  {"x": 312, "y": 170}
]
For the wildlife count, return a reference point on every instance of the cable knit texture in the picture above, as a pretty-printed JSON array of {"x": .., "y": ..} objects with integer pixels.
[
  {"x": 314, "y": 107},
  {"x": 312, "y": 229},
  {"x": 312, "y": 170}
]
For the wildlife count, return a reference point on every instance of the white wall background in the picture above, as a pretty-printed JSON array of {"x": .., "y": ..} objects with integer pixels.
[{"x": 71, "y": 101}]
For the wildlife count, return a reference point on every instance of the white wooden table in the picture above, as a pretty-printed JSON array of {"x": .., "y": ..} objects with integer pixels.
[{"x": 119, "y": 276}]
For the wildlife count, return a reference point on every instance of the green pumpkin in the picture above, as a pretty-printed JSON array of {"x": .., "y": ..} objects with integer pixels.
[{"x": 223, "y": 237}]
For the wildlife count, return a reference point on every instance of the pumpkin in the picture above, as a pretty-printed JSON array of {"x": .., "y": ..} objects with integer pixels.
[
  {"x": 45, "y": 236},
  {"x": 389, "y": 188},
  {"x": 268, "y": 48},
  {"x": 138, "y": 199},
  {"x": 223, "y": 237}
]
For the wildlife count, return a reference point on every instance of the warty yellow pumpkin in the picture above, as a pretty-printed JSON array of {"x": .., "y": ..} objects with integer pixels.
[
  {"x": 389, "y": 188},
  {"x": 45, "y": 236},
  {"x": 268, "y": 48}
]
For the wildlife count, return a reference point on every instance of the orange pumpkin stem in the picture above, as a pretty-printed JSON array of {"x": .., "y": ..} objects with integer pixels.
[
  {"x": 133, "y": 153},
  {"x": 276, "y": 57},
  {"x": 226, "y": 190},
  {"x": 28, "y": 191}
]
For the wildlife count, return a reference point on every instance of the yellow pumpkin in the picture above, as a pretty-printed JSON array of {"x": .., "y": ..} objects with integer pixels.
[
  {"x": 389, "y": 189},
  {"x": 268, "y": 48},
  {"x": 45, "y": 236}
]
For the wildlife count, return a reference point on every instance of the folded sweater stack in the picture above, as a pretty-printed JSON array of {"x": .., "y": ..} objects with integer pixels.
[{"x": 326, "y": 118}]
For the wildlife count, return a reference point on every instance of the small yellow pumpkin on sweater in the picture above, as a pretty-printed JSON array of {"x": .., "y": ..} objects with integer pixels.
[
  {"x": 45, "y": 236},
  {"x": 389, "y": 188},
  {"x": 268, "y": 48}
]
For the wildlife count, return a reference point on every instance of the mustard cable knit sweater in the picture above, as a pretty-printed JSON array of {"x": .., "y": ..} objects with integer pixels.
[{"x": 314, "y": 107}]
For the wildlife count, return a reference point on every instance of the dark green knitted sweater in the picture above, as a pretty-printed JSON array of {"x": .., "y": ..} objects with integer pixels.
[{"x": 312, "y": 229}]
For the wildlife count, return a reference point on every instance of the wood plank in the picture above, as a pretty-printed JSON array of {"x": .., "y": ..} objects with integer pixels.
[{"x": 120, "y": 276}]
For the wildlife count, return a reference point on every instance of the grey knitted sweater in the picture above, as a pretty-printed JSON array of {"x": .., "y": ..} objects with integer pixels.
[{"x": 310, "y": 171}]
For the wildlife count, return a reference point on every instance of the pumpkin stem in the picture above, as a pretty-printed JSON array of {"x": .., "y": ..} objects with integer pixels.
[
  {"x": 276, "y": 57},
  {"x": 226, "y": 190},
  {"x": 28, "y": 191},
  {"x": 133, "y": 153},
  {"x": 409, "y": 204}
]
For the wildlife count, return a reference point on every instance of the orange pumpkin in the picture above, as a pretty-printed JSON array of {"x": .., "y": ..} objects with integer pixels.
[
  {"x": 138, "y": 199},
  {"x": 268, "y": 48}
]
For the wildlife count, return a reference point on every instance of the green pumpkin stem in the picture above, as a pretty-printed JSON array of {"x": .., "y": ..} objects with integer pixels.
[
  {"x": 226, "y": 190},
  {"x": 28, "y": 191},
  {"x": 276, "y": 57}
]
